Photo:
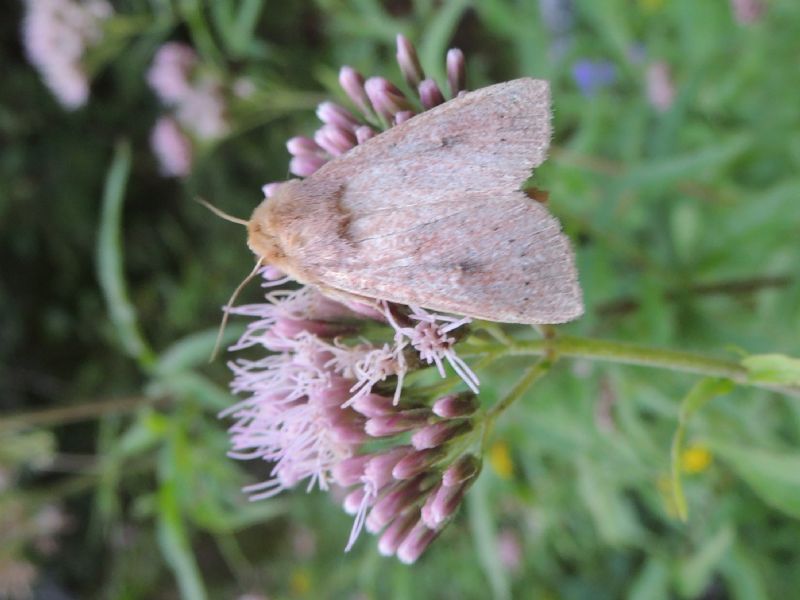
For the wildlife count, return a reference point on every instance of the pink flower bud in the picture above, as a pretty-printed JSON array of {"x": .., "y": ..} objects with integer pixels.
[
  {"x": 416, "y": 462},
  {"x": 334, "y": 140},
  {"x": 403, "y": 116},
  {"x": 426, "y": 512},
  {"x": 437, "y": 434},
  {"x": 396, "y": 502},
  {"x": 660, "y": 89},
  {"x": 415, "y": 543},
  {"x": 430, "y": 94},
  {"x": 396, "y": 532},
  {"x": 349, "y": 471},
  {"x": 304, "y": 165},
  {"x": 387, "y": 99},
  {"x": 409, "y": 61},
  {"x": 404, "y": 420},
  {"x": 456, "y": 405},
  {"x": 301, "y": 144},
  {"x": 456, "y": 71},
  {"x": 374, "y": 405},
  {"x": 353, "y": 500},
  {"x": 466, "y": 467},
  {"x": 268, "y": 189},
  {"x": 353, "y": 84},
  {"x": 378, "y": 471},
  {"x": 446, "y": 501},
  {"x": 331, "y": 113},
  {"x": 364, "y": 133}
]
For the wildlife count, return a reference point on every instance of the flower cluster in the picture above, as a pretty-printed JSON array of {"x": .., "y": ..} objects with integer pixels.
[
  {"x": 326, "y": 405},
  {"x": 198, "y": 109},
  {"x": 57, "y": 34}
]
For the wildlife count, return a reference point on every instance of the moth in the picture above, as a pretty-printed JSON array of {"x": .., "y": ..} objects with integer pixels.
[{"x": 431, "y": 213}]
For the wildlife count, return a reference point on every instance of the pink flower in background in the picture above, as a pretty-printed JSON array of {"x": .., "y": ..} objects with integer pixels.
[
  {"x": 171, "y": 147},
  {"x": 170, "y": 74},
  {"x": 56, "y": 35},
  {"x": 660, "y": 88},
  {"x": 331, "y": 381},
  {"x": 747, "y": 12},
  {"x": 196, "y": 99}
]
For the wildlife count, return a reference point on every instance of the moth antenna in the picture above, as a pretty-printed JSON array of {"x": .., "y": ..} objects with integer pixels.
[
  {"x": 221, "y": 214},
  {"x": 229, "y": 305}
]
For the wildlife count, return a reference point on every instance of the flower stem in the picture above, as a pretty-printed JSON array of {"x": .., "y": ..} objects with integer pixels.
[
  {"x": 629, "y": 354},
  {"x": 531, "y": 375}
]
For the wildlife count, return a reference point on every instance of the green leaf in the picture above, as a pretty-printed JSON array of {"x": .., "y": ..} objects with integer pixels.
[
  {"x": 697, "y": 570},
  {"x": 173, "y": 537},
  {"x": 700, "y": 394},
  {"x": 482, "y": 525},
  {"x": 774, "y": 476},
  {"x": 772, "y": 368},
  {"x": 692, "y": 164},
  {"x": 652, "y": 582},
  {"x": 193, "y": 350},
  {"x": 438, "y": 33},
  {"x": 110, "y": 261}
]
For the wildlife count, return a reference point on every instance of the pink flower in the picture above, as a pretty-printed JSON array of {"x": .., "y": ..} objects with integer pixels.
[
  {"x": 198, "y": 110},
  {"x": 56, "y": 35},
  {"x": 747, "y": 12},
  {"x": 172, "y": 148},
  {"x": 332, "y": 378},
  {"x": 660, "y": 89},
  {"x": 169, "y": 75}
]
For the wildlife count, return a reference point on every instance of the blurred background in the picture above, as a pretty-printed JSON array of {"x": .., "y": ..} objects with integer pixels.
[{"x": 675, "y": 169}]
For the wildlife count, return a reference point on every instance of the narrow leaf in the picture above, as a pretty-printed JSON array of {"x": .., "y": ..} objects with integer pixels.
[
  {"x": 110, "y": 269},
  {"x": 702, "y": 392}
]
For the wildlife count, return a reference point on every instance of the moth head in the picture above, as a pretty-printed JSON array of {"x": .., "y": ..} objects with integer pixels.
[{"x": 265, "y": 226}]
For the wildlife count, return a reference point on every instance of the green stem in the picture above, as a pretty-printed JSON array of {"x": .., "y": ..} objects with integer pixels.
[
  {"x": 531, "y": 375},
  {"x": 629, "y": 354}
]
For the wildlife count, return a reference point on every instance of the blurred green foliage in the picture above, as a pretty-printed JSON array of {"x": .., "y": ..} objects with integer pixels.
[{"x": 686, "y": 225}]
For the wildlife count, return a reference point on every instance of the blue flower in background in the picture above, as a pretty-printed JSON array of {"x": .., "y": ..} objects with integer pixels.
[{"x": 593, "y": 75}]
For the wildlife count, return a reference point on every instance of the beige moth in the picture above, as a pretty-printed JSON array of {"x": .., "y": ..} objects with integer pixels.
[{"x": 431, "y": 213}]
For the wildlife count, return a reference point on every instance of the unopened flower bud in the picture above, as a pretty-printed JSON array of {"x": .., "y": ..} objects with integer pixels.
[
  {"x": 456, "y": 405},
  {"x": 387, "y": 99},
  {"x": 334, "y": 140},
  {"x": 304, "y": 165},
  {"x": 393, "y": 536},
  {"x": 466, "y": 467},
  {"x": 396, "y": 502},
  {"x": 350, "y": 470},
  {"x": 378, "y": 471},
  {"x": 364, "y": 133},
  {"x": 429, "y": 94},
  {"x": 456, "y": 71},
  {"x": 416, "y": 462},
  {"x": 353, "y": 84},
  {"x": 374, "y": 405},
  {"x": 437, "y": 434},
  {"x": 403, "y": 116},
  {"x": 409, "y": 61},
  {"x": 404, "y": 420},
  {"x": 415, "y": 543},
  {"x": 331, "y": 113},
  {"x": 301, "y": 144}
]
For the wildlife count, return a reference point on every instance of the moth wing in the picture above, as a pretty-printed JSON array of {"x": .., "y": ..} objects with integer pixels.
[
  {"x": 502, "y": 258},
  {"x": 481, "y": 141},
  {"x": 429, "y": 213}
]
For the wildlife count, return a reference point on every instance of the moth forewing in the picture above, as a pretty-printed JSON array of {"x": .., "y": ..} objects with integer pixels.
[{"x": 430, "y": 213}]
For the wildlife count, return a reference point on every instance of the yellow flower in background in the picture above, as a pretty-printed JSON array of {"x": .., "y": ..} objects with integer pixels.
[
  {"x": 300, "y": 582},
  {"x": 695, "y": 459},
  {"x": 500, "y": 459}
]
